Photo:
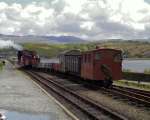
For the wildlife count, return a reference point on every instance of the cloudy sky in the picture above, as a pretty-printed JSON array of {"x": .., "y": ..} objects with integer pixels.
[{"x": 88, "y": 19}]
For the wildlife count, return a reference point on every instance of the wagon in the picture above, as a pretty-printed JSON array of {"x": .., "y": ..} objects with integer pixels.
[
  {"x": 101, "y": 65},
  {"x": 73, "y": 62}
]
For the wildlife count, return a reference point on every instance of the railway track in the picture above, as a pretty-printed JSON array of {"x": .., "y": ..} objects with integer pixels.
[
  {"x": 138, "y": 91},
  {"x": 136, "y": 96},
  {"x": 133, "y": 95},
  {"x": 93, "y": 110}
]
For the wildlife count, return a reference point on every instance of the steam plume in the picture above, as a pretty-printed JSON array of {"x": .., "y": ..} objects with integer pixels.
[{"x": 9, "y": 44}]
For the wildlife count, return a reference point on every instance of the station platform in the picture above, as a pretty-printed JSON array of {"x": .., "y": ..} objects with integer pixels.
[{"x": 22, "y": 99}]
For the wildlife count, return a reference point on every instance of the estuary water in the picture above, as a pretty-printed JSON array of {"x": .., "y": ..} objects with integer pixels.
[{"x": 136, "y": 65}]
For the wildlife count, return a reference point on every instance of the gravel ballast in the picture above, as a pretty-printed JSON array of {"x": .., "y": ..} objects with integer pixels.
[{"x": 131, "y": 112}]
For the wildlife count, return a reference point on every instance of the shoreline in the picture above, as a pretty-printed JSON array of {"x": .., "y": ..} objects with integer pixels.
[{"x": 136, "y": 58}]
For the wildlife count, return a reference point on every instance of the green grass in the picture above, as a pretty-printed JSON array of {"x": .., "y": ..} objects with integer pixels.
[
  {"x": 132, "y": 49},
  {"x": 52, "y": 50},
  {"x": 126, "y": 70},
  {"x": 134, "y": 84},
  {"x": 1, "y": 65},
  {"x": 147, "y": 71}
]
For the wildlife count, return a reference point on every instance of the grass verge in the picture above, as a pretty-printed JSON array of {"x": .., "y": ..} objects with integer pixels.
[
  {"x": 1, "y": 65},
  {"x": 133, "y": 84}
]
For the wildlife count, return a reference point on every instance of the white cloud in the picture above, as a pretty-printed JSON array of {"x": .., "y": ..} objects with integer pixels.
[
  {"x": 74, "y": 6},
  {"x": 93, "y": 19},
  {"x": 3, "y": 5},
  {"x": 87, "y": 25}
]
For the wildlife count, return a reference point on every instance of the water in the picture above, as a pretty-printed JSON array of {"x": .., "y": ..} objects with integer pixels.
[
  {"x": 136, "y": 65},
  {"x": 15, "y": 115}
]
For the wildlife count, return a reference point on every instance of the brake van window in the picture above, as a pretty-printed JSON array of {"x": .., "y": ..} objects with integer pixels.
[{"x": 97, "y": 56}]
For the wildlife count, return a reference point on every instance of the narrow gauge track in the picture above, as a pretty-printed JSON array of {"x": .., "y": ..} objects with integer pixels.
[
  {"x": 93, "y": 110},
  {"x": 138, "y": 91},
  {"x": 132, "y": 95}
]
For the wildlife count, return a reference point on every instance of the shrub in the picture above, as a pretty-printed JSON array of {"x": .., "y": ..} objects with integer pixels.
[
  {"x": 147, "y": 71},
  {"x": 126, "y": 70}
]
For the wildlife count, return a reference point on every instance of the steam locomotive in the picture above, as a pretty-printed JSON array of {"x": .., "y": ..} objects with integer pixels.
[{"x": 27, "y": 58}]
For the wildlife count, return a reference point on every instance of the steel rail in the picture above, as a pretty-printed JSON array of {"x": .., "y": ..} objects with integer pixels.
[
  {"x": 142, "y": 92},
  {"x": 90, "y": 107},
  {"x": 129, "y": 95}
]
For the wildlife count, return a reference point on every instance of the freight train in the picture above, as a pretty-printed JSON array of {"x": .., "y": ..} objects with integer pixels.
[{"x": 99, "y": 65}]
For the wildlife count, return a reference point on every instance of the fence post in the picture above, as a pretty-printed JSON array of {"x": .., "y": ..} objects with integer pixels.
[{"x": 139, "y": 81}]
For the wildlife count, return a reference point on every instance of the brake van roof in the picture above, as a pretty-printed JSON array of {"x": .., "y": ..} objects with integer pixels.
[{"x": 101, "y": 49}]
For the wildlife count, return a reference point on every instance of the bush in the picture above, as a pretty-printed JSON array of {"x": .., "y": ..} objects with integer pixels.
[
  {"x": 147, "y": 71},
  {"x": 1, "y": 65},
  {"x": 126, "y": 70}
]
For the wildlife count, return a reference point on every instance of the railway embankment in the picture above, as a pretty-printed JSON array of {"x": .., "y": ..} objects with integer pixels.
[
  {"x": 135, "y": 80},
  {"x": 140, "y": 77}
]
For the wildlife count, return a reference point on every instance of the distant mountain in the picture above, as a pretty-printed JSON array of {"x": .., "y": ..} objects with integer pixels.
[
  {"x": 42, "y": 39},
  {"x": 65, "y": 39}
]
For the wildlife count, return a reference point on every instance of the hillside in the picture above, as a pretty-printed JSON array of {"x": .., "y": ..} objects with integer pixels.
[
  {"x": 131, "y": 49},
  {"x": 42, "y": 39}
]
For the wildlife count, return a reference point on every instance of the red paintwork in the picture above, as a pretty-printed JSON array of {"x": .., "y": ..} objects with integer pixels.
[
  {"x": 28, "y": 58},
  {"x": 56, "y": 66},
  {"x": 92, "y": 69}
]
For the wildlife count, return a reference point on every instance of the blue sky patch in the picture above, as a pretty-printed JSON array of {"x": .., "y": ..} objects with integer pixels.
[{"x": 148, "y": 1}]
